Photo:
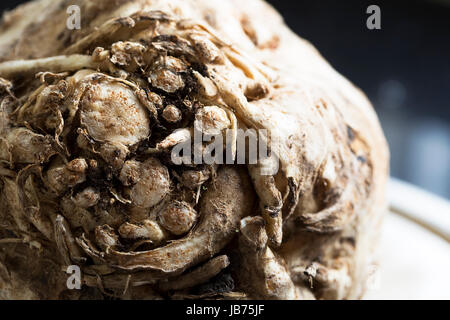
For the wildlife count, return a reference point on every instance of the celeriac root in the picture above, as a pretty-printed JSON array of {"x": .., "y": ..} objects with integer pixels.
[{"x": 90, "y": 121}]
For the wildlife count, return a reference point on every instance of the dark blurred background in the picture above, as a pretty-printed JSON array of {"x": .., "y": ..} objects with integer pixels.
[{"x": 404, "y": 68}]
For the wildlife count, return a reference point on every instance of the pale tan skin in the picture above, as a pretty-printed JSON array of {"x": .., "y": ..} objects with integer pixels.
[{"x": 85, "y": 176}]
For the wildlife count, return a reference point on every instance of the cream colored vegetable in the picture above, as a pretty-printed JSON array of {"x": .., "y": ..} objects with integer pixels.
[{"x": 88, "y": 120}]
